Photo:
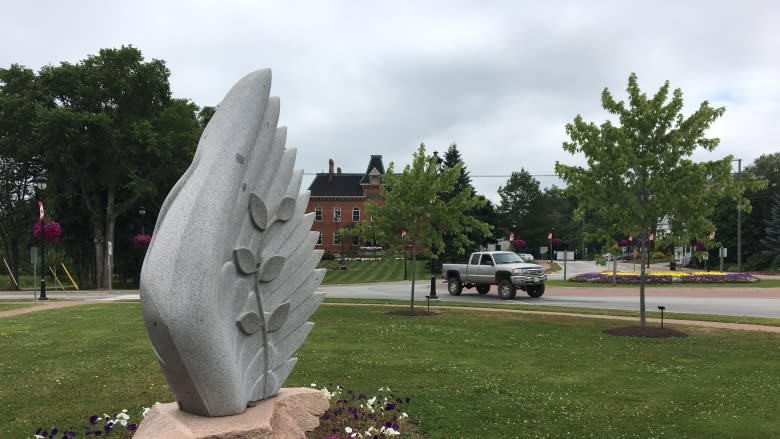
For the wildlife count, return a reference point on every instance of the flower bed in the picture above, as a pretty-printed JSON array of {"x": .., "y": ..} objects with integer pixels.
[{"x": 666, "y": 277}]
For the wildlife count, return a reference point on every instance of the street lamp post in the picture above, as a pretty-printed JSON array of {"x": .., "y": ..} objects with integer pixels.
[
  {"x": 40, "y": 185},
  {"x": 551, "y": 247},
  {"x": 437, "y": 161}
]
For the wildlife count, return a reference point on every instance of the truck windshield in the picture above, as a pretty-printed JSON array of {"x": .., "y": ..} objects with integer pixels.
[{"x": 506, "y": 258}]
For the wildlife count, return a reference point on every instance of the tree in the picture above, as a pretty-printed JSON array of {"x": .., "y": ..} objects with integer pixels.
[
  {"x": 522, "y": 208},
  {"x": 485, "y": 212},
  {"x": 451, "y": 159},
  {"x": 638, "y": 170},
  {"x": 112, "y": 134},
  {"x": 416, "y": 213},
  {"x": 20, "y": 162},
  {"x": 772, "y": 240}
]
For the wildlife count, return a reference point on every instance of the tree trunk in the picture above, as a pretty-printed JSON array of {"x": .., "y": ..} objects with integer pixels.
[
  {"x": 100, "y": 238},
  {"x": 414, "y": 273},
  {"x": 110, "y": 225},
  {"x": 13, "y": 261},
  {"x": 12, "y": 254},
  {"x": 642, "y": 321}
]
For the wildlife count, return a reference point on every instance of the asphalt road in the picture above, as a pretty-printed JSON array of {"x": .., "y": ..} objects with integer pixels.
[
  {"x": 737, "y": 301},
  {"x": 756, "y": 302}
]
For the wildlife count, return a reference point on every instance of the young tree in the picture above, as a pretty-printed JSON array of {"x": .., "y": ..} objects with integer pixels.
[
  {"x": 415, "y": 213},
  {"x": 638, "y": 168}
]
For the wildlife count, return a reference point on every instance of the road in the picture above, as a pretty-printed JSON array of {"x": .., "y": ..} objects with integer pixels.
[{"x": 736, "y": 301}]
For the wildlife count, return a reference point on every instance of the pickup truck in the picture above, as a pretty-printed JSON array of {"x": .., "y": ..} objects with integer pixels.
[{"x": 505, "y": 269}]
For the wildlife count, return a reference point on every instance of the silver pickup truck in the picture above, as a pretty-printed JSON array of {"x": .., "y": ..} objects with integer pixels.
[{"x": 505, "y": 269}]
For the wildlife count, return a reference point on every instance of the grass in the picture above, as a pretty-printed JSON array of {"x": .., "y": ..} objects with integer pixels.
[
  {"x": 768, "y": 321},
  {"x": 371, "y": 271},
  {"x": 468, "y": 374},
  {"x": 6, "y": 306}
]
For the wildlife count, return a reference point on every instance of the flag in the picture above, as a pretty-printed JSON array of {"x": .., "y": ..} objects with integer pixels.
[
  {"x": 712, "y": 236},
  {"x": 403, "y": 233},
  {"x": 651, "y": 237},
  {"x": 549, "y": 235},
  {"x": 511, "y": 236},
  {"x": 40, "y": 208}
]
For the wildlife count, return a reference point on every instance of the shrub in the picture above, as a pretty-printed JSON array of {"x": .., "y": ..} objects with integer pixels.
[
  {"x": 757, "y": 261},
  {"x": 328, "y": 256}
]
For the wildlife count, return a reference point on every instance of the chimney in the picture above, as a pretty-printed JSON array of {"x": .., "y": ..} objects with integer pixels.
[
  {"x": 338, "y": 171},
  {"x": 330, "y": 170}
]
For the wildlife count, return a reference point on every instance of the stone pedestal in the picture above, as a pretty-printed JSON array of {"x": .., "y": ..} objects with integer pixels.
[{"x": 287, "y": 415}]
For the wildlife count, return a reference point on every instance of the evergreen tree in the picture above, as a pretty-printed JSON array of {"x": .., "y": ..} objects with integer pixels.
[{"x": 772, "y": 239}]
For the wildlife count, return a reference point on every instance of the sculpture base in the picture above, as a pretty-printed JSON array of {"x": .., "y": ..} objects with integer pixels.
[{"x": 289, "y": 414}]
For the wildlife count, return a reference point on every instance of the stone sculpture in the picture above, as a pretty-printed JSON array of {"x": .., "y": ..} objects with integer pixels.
[{"x": 228, "y": 280}]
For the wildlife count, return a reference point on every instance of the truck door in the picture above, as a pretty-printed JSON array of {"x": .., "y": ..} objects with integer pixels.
[{"x": 484, "y": 272}]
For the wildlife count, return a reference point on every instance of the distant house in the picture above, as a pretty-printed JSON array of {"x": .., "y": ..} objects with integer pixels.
[{"x": 339, "y": 199}]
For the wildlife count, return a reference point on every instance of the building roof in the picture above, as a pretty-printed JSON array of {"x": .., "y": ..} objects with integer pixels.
[
  {"x": 342, "y": 185},
  {"x": 335, "y": 184},
  {"x": 375, "y": 167}
]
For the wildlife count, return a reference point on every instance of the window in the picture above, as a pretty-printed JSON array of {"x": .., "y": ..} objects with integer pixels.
[
  {"x": 317, "y": 214},
  {"x": 319, "y": 238},
  {"x": 337, "y": 238},
  {"x": 355, "y": 240},
  {"x": 474, "y": 259},
  {"x": 337, "y": 214},
  {"x": 356, "y": 214}
]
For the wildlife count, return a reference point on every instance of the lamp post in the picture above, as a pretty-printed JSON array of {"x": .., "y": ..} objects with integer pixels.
[
  {"x": 437, "y": 162},
  {"x": 739, "y": 218},
  {"x": 550, "y": 235},
  {"x": 40, "y": 185}
]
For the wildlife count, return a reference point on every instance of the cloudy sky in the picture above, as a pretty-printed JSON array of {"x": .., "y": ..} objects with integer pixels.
[{"x": 499, "y": 78}]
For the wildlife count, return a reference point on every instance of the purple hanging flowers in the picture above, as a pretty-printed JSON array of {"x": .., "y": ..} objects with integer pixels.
[
  {"x": 49, "y": 231},
  {"x": 142, "y": 240}
]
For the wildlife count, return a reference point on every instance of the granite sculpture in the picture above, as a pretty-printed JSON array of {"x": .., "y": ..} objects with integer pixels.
[{"x": 229, "y": 279}]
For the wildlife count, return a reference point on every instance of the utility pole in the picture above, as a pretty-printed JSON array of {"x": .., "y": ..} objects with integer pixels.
[{"x": 739, "y": 220}]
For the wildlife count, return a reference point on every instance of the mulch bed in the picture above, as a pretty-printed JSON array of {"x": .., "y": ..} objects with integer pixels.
[{"x": 649, "y": 332}]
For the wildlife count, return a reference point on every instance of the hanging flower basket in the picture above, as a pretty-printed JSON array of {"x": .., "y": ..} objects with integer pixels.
[
  {"x": 557, "y": 242},
  {"x": 51, "y": 231},
  {"x": 518, "y": 243},
  {"x": 142, "y": 241}
]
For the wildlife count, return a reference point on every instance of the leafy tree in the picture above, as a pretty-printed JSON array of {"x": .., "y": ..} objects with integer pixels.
[
  {"x": 638, "y": 169},
  {"x": 416, "y": 213},
  {"x": 522, "y": 209},
  {"x": 114, "y": 137},
  {"x": 20, "y": 163}
]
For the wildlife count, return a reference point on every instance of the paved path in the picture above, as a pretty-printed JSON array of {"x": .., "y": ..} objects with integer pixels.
[{"x": 101, "y": 298}]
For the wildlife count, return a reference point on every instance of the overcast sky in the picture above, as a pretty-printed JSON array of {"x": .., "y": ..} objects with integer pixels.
[{"x": 499, "y": 78}]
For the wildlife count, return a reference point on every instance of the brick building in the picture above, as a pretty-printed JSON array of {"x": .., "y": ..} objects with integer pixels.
[{"x": 339, "y": 199}]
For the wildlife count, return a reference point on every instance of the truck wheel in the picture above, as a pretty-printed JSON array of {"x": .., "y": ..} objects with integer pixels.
[
  {"x": 454, "y": 286},
  {"x": 483, "y": 288},
  {"x": 506, "y": 290},
  {"x": 536, "y": 290}
]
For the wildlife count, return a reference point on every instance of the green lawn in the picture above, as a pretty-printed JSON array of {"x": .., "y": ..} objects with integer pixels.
[
  {"x": 372, "y": 271},
  {"x": 7, "y": 306},
  {"x": 468, "y": 374}
]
